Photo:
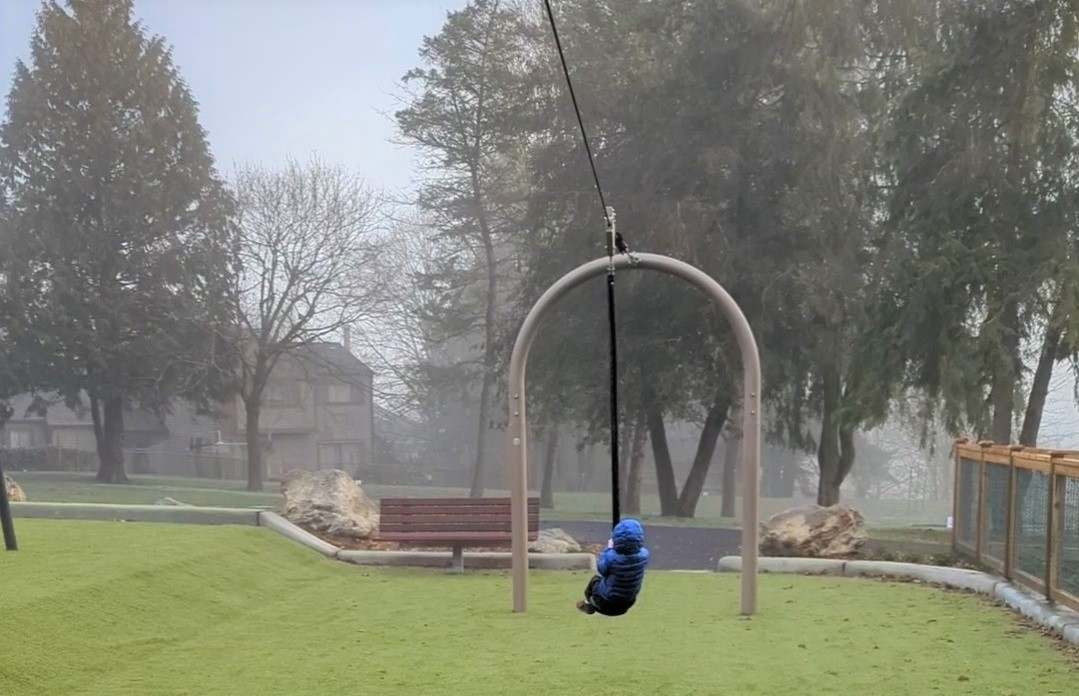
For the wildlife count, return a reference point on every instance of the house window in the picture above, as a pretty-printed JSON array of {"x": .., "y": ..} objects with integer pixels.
[
  {"x": 20, "y": 438},
  {"x": 340, "y": 394},
  {"x": 340, "y": 455},
  {"x": 280, "y": 394}
]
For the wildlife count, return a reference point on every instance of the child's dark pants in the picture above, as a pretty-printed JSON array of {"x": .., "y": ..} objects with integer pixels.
[{"x": 602, "y": 607}]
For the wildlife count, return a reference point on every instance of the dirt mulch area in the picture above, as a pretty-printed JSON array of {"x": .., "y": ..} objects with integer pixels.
[{"x": 352, "y": 544}]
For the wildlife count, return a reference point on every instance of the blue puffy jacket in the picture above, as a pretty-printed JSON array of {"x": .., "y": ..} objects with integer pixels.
[{"x": 621, "y": 568}]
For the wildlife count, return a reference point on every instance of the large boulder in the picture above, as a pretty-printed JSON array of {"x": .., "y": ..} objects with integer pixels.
[
  {"x": 554, "y": 541},
  {"x": 15, "y": 493},
  {"x": 329, "y": 501},
  {"x": 813, "y": 531}
]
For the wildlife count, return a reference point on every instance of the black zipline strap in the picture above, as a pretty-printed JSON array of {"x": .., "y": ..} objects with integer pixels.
[
  {"x": 577, "y": 110},
  {"x": 615, "y": 244},
  {"x": 616, "y": 514}
]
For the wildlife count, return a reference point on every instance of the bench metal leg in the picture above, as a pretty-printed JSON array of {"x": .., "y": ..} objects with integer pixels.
[{"x": 458, "y": 564}]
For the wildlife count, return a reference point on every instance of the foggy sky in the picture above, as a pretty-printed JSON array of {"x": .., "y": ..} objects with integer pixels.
[{"x": 279, "y": 77}]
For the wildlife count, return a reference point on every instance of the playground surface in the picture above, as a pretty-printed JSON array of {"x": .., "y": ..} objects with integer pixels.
[{"x": 128, "y": 608}]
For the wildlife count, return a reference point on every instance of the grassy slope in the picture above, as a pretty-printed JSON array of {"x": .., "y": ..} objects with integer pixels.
[{"x": 114, "y": 608}]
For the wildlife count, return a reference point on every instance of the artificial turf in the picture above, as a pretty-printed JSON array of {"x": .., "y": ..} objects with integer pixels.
[{"x": 108, "y": 608}]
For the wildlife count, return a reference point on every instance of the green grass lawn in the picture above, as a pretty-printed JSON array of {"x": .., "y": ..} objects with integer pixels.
[
  {"x": 66, "y": 487},
  {"x": 569, "y": 507},
  {"x": 143, "y": 490},
  {"x": 596, "y": 506},
  {"x": 156, "y": 610},
  {"x": 924, "y": 535}
]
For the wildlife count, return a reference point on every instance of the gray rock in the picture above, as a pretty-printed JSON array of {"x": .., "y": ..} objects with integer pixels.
[
  {"x": 554, "y": 541},
  {"x": 328, "y": 501},
  {"x": 813, "y": 531},
  {"x": 15, "y": 492}
]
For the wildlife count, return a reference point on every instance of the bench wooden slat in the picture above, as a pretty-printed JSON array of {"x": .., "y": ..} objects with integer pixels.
[
  {"x": 456, "y": 521},
  {"x": 427, "y": 515},
  {"x": 479, "y": 502},
  {"x": 452, "y": 527},
  {"x": 503, "y": 527},
  {"x": 478, "y": 513},
  {"x": 451, "y": 537},
  {"x": 452, "y": 509}
]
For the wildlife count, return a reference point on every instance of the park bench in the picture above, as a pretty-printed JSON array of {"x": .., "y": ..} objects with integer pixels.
[{"x": 453, "y": 522}]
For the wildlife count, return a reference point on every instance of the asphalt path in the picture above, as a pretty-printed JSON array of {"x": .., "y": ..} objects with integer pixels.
[{"x": 671, "y": 548}]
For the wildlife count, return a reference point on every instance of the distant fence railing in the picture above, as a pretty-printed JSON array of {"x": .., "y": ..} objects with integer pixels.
[
  {"x": 1016, "y": 512},
  {"x": 49, "y": 458}
]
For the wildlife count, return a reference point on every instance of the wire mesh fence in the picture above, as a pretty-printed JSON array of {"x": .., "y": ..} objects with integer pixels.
[
  {"x": 966, "y": 512},
  {"x": 994, "y": 520},
  {"x": 1068, "y": 568},
  {"x": 1016, "y": 512}
]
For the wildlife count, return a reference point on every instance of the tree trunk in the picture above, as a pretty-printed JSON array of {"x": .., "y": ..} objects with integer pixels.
[
  {"x": 792, "y": 469},
  {"x": 828, "y": 449},
  {"x": 1002, "y": 394},
  {"x": 632, "y": 503},
  {"x": 488, "y": 335},
  {"x": 593, "y": 465},
  {"x": 780, "y": 470},
  {"x": 99, "y": 430},
  {"x": 625, "y": 438},
  {"x": 1039, "y": 388},
  {"x": 1032, "y": 420},
  {"x": 549, "y": 458},
  {"x": 732, "y": 455},
  {"x": 582, "y": 465},
  {"x": 111, "y": 445},
  {"x": 702, "y": 460},
  {"x": 479, "y": 464},
  {"x": 846, "y": 452},
  {"x": 668, "y": 489},
  {"x": 254, "y": 445}
]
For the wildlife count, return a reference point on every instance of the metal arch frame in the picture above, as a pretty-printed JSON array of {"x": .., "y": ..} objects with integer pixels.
[{"x": 517, "y": 435}]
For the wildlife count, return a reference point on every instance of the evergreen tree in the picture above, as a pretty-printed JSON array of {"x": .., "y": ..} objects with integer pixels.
[
  {"x": 466, "y": 110},
  {"x": 983, "y": 208},
  {"x": 116, "y": 262}
]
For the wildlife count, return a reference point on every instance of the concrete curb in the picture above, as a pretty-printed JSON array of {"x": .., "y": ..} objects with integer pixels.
[
  {"x": 766, "y": 564},
  {"x": 479, "y": 560},
  {"x": 136, "y": 513},
  {"x": 277, "y": 523},
  {"x": 1054, "y": 617},
  {"x": 960, "y": 578},
  {"x": 188, "y": 514},
  {"x": 1061, "y": 620}
]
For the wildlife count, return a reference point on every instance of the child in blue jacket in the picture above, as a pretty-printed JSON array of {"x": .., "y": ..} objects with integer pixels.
[{"x": 621, "y": 569}]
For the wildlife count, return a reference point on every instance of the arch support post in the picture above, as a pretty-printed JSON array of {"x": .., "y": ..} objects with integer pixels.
[{"x": 516, "y": 444}]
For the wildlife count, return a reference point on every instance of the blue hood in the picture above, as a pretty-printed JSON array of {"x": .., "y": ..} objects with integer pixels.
[{"x": 628, "y": 537}]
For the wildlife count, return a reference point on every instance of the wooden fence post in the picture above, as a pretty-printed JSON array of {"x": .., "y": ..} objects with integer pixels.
[
  {"x": 1009, "y": 532},
  {"x": 1050, "y": 522},
  {"x": 955, "y": 489},
  {"x": 979, "y": 523}
]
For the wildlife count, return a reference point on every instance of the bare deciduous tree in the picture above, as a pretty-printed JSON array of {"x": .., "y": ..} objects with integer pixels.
[
  {"x": 307, "y": 253},
  {"x": 397, "y": 342}
]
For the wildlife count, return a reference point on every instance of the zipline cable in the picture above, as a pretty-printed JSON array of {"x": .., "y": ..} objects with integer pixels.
[
  {"x": 580, "y": 123},
  {"x": 614, "y": 243}
]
